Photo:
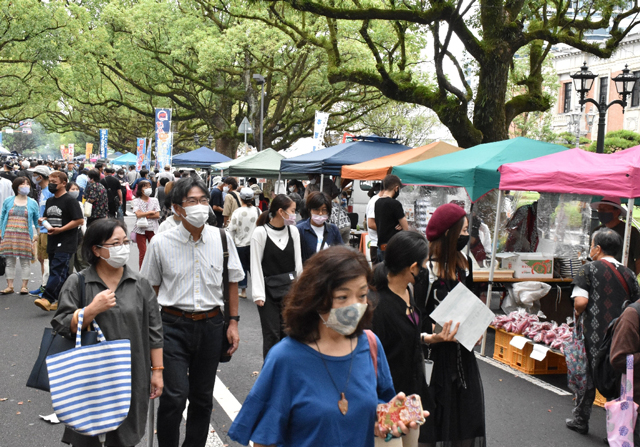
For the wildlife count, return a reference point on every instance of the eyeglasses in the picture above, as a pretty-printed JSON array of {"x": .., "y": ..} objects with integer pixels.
[
  {"x": 201, "y": 201},
  {"x": 116, "y": 244}
]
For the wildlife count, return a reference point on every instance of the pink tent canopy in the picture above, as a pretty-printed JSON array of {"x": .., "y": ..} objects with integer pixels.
[{"x": 577, "y": 172}]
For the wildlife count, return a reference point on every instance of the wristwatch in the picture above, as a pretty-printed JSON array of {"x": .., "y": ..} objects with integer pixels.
[{"x": 237, "y": 318}]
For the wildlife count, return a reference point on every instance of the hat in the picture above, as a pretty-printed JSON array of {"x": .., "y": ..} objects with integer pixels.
[
  {"x": 613, "y": 201},
  {"x": 42, "y": 170},
  {"x": 442, "y": 219},
  {"x": 216, "y": 180},
  {"x": 246, "y": 193}
]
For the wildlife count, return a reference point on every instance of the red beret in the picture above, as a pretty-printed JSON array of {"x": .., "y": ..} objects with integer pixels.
[{"x": 442, "y": 219}]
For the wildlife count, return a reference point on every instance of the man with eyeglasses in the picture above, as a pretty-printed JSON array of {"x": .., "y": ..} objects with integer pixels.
[
  {"x": 185, "y": 267},
  {"x": 62, "y": 216}
]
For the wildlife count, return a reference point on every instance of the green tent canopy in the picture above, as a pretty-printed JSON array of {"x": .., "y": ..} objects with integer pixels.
[
  {"x": 224, "y": 166},
  {"x": 476, "y": 168},
  {"x": 264, "y": 164}
]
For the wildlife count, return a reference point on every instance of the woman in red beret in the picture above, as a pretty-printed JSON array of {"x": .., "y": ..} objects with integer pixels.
[{"x": 455, "y": 384}]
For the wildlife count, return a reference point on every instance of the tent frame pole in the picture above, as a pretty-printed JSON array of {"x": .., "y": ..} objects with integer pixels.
[
  {"x": 321, "y": 182},
  {"x": 494, "y": 249},
  {"x": 627, "y": 231},
  {"x": 278, "y": 184}
]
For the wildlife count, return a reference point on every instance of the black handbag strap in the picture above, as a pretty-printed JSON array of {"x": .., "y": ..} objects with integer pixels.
[
  {"x": 618, "y": 275},
  {"x": 225, "y": 275},
  {"x": 83, "y": 291}
]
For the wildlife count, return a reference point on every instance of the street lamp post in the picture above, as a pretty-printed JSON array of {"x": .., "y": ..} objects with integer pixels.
[
  {"x": 583, "y": 81},
  {"x": 196, "y": 138},
  {"x": 210, "y": 140},
  {"x": 573, "y": 123},
  {"x": 260, "y": 80}
]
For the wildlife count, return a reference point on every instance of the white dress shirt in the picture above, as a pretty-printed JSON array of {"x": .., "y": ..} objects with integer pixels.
[
  {"x": 258, "y": 242},
  {"x": 371, "y": 214},
  {"x": 189, "y": 272},
  {"x": 6, "y": 189}
]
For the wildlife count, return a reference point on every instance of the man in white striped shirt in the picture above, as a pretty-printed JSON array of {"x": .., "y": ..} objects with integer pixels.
[{"x": 185, "y": 266}]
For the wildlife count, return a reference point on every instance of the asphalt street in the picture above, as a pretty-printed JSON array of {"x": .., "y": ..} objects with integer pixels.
[{"x": 519, "y": 412}]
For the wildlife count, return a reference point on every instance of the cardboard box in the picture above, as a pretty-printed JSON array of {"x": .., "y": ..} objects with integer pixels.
[{"x": 528, "y": 265}]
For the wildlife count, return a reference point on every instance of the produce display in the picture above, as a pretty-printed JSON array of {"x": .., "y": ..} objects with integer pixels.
[{"x": 530, "y": 326}]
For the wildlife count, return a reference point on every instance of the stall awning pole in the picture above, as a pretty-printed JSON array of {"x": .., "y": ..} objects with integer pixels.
[
  {"x": 469, "y": 231},
  {"x": 278, "y": 184},
  {"x": 627, "y": 232},
  {"x": 321, "y": 182},
  {"x": 494, "y": 249}
]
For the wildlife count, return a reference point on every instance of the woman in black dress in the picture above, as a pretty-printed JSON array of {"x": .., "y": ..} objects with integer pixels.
[
  {"x": 456, "y": 386},
  {"x": 397, "y": 321}
]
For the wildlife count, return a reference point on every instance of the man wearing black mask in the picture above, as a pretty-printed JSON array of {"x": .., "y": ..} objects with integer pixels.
[
  {"x": 389, "y": 214},
  {"x": 609, "y": 211}
]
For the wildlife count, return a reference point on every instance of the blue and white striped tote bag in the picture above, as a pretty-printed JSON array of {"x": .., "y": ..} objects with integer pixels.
[{"x": 91, "y": 385}]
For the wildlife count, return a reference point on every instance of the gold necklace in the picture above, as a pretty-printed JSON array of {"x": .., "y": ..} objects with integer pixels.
[{"x": 343, "y": 403}]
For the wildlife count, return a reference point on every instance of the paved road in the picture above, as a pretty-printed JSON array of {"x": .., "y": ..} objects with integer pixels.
[{"x": 518, "y": 412}]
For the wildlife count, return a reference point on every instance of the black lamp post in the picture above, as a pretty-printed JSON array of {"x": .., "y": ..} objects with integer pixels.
[
  {"x": 583, "y": 81},
  {"x": 210, "y": 140},
  {"x": 260, "y": 80},
  {"x": 196, "y": 138}
]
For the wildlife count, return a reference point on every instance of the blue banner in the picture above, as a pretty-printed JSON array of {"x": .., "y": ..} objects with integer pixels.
[
  {"x": 163, "y": 137},
  {"x": 104, "y": 140}
]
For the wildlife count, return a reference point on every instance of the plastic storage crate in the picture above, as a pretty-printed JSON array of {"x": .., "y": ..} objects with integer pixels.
[
  {"x": 521, "y": 360},
  {"x": 502, "y": 348}
]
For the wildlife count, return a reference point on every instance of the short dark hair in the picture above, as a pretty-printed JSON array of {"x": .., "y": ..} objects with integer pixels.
[
  {"x": 252, "y": 181},
  {"x": 131, "y": 167},
  {"x": 316, "y": 199},
  {"x": 144, "y": 173},
  {"x": 60, "y": 176},
  {"x": 70, "y": 185},
  {"x": 120, "y": 171},
  {"x": 312, "y": 293},
  {"x": 390, "y": 182},
  {"x": 110, "y": 171},
  {"x": 94, "y": 175},
  {"x": 280, "y": 201},
  {"x": 140, "y": 188},
  {"x": 99, "y": 165},
  {"x": 164, "y": 181},
  {"x": 182, "y": 187},
  {"x": 233, "y": 182},
  {"x": 19, "y": 181},
  {"x": 609, "y": 241},
  {"x": 97, "y": 234}
]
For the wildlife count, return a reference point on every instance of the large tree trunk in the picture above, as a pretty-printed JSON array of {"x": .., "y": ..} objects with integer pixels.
[
  {"x": 489, "y": 110},
  {"x": 227, "y": 146}
]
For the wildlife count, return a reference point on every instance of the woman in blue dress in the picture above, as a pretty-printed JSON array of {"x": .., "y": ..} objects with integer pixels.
[{"x": 318, "y": 386}]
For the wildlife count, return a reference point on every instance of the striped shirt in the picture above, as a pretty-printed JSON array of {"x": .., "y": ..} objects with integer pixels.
[{"x": 189, "y": 273}]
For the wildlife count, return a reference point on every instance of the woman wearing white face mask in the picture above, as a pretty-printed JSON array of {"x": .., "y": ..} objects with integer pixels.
[
  {"x": 18, "y": 219},
  {"x": 243, "y": 222},
  {"x": 327, "y": 357},
  {"x": 316, "y": 233},
  {"x": 276, "y": 260},
  {"x": 124, "y": 305},
  {"x": 147, "y": 211},
  {"x": 77, "y": 260}
]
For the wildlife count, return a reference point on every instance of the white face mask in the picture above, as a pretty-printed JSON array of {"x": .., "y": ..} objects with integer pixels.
[
  {"x": 225, "y": 189},
  {"x": 118, "y": 256},
  {"x": 147, "y": 192},
  {"x": 197, "y": 215},
  {"x": 74, "y": 194},
  {"x": 24, "y": 190},
  {"x": 292, "y": 189},
  {"x": 344, "y": 320}
]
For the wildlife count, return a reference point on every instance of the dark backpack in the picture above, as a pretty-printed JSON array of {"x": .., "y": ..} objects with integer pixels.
[{"x": 605, "y": 378}]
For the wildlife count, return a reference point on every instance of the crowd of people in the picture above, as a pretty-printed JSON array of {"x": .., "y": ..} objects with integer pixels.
[{"x": 338, "y": 336}]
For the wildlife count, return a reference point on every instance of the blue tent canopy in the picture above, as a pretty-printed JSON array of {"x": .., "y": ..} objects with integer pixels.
[
  {"x": 330, "y": 160},
  {"x": 126, "y": 159},
  {"x": 202, "y": 157}
]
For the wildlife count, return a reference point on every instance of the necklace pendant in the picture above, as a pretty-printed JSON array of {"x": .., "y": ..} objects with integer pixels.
[{"x": 343, "y": 404}]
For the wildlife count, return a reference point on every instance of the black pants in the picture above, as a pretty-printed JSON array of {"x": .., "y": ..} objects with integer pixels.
[
  {"x": 191, "y": 355},
  {"x": 272, "y": 326}
]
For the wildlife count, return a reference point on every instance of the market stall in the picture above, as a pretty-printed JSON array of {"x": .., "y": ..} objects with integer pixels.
[
  {"x": 264, "y": 164},
  {"x": 199, "y": 158},
  {"x": 126, "y": 159},
  {"x": 224, "y": 166},
  {"x": 378, "y": 168}
]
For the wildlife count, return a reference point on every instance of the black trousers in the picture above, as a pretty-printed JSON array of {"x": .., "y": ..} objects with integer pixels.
[{"x": 272, "y": 325}]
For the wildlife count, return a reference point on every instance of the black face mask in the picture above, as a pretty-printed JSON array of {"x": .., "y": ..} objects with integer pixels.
[
  {"x": 396, "y": 194},
  {"x": 53, "y": 188},
  {"x": 462, "y": 242},
  {"x": 422, "y": 277}
]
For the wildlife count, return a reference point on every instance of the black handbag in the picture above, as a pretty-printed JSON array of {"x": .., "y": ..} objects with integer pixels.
[
  {"x": 277, "y": 286},
  {"x": 224, "y": 353},
  {"x": 54, "y": 343},
  {"x": 3, "y": 265}
]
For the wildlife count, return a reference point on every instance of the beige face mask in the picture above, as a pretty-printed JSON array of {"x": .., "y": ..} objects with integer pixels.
[{"x": 344, "y": 320}]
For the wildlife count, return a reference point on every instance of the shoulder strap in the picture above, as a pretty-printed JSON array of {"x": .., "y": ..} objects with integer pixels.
[
  {"x": 618, "y": 275},
  {"x": 373, "y": 349},
  {"x": 225, "y": 274},
  {"x": 235, "y": 196}
]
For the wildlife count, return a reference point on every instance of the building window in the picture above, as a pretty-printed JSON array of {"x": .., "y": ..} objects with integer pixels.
[
  {"x": 604, "y": 84},
  {"x": 567, "y": 98},
  {"x": 635, "y": 94}
]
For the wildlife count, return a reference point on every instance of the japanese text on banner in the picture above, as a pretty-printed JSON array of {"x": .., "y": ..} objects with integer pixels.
[
  {"x": 163, "y": 137},
  {"x": 89, "y": 150},
  {"x": 104, "y": 141},
  {"x": 319, "y": 127},
  {"x": 141, "y": 145},
  {"x": 71, "y": 152}
]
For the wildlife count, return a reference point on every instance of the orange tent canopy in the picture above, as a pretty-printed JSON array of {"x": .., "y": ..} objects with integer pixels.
[{"x": 378, "y": 168}]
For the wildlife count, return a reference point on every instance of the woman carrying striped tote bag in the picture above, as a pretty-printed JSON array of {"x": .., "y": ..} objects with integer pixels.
[{"x": 91, "y": 385}]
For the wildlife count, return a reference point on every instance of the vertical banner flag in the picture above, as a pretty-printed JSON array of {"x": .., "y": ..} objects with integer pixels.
[
  {"x": 147, "y": 157},
  {"x": 163, "y": 137},
  {"x": 141, "y": 144},
  {"x": 319, "y": 127},
  {"x": 89, "y": 150},
  {"x": 0, "y": 138},
  {"x": 71, "y": 152},
  {"x": 63, "y": 151},
  {"x": 104, "y": 140}
]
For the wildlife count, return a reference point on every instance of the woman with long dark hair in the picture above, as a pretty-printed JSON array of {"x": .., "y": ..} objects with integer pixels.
[
  {"x": 276, "y": 260},
  {"x": 318, "y": 387},
  {"x": 455, "y": 385},
  {"x": 147, "y": 211}
]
